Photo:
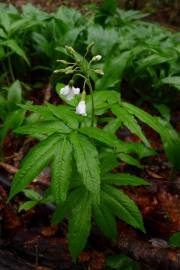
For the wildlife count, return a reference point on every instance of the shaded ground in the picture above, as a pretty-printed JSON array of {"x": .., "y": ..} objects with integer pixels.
[{"x": 28, "y": 241}]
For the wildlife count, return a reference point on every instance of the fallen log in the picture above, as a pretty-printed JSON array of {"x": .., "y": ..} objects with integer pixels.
[{"x": 150, "y": 253}]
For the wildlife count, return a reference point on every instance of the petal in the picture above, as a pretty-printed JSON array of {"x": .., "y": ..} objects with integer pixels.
[
  {"x": 65, "y": 91},
  {"x": 70, "y": 96},
  {"x": 81, "y": 108},
  {"x": 76, "y": 91}
]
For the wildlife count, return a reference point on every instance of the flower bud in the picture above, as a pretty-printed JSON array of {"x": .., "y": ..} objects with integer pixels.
[
  {"x": 70, "y": 50},
  {"x": 63, "y": 62},
  {"x": 99, "y": 71},
  {"x": 59, "y": 70},
  {"x": 96, "y": 58}
]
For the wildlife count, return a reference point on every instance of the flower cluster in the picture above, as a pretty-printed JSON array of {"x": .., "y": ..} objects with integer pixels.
[
  {"x": 79, "y": 68},
  {"x": 69, "y": 92}
]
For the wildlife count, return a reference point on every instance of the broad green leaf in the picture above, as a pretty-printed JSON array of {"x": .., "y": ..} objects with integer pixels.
[
  {"x": 123, "y": 179},
  {"x": 27, "y": 205},
  {"x": 129, "y": 121},
  {"x": 122, "y": 206},
  {"x": 44, "y": 127},
  {"x": 14, "y": 95},
  {"x": 61, "y": 169},
  {"x": 13, "y": 45},
  {"x": 69, "y": 16},
  {"x": 79, "y": 225},
  {"x": 32, "y": 194},
  {"x": 108, "y": 6},
  {"x": 105, "y": 220},
  {"x": 113, "y": 70},
  {"x": 5, "y": 21},
  {"x": 104, "y": 39},
  {"x": 173, "y": 81},
  {"x": 63, "y": 113},
  {"x": 175, "y": 240},
  {"x": 151, "y": 60},
  {"x": 87, "y": 162},
  {"x": 37, "y": 159}
]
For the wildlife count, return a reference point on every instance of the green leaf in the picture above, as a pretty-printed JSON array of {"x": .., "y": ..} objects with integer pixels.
[
  {"x": 109, "y": 6},
  {"x": 64, "y": 208},
  {"x": 169, "y": 136},
  {"x": 43, "y": 127},
  {"x": 175, "y": 240},
  {"x": 105, "y": 220},
  {"x": 113, "y": 71},
  {"x": 108, "y": 161},
  {"x": 129, "y": 121},
  {"x": 12, "y": 120},
  {"x": 143, "y": 116},
  {"x": 173, "y": 81},
  {"x": 120, "y": 262},
  {"x": 123, "y": 179},
  {"x": 151, "y": 60},
  {"x": 32, "y": 194},
  {"x": 40, "y": 109},
  {"x": 164, "y": 111},
  {"x": 171, "y": 143},
  {"x": 37, "y": 159},
  {"x": 104, "y": 39},
  {"x": 59, "y": 214},
  {"x": 12, "y": 44},
  {"x": 63, "y": 113},
  {"x": 100, "y": 135},
  {"x": 129, "y": 160},
  {"x": 79, "y": 225},
  {"x": 87, "y": 162},
  {"x": 14, "y": 95},
  {"x": 122, "y": 206},
  {"x": 113, "y": 125},
  {"x": 27, "y": 205},
  {"x": 61, "y": 169}
]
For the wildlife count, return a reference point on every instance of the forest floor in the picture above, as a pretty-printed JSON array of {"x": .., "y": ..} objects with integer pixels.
[{"x": 29, "y": 241}]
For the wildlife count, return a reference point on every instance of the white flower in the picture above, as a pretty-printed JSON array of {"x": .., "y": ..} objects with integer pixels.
[
  {"x": 69, "y": 92},
  {"x": 81, "y": 108}
]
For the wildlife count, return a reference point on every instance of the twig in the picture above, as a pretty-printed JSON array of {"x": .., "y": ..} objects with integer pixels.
[{"x": 9, "y": 168}]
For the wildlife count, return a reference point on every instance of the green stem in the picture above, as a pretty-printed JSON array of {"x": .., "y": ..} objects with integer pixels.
[{"x": 92, "y": 102}]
